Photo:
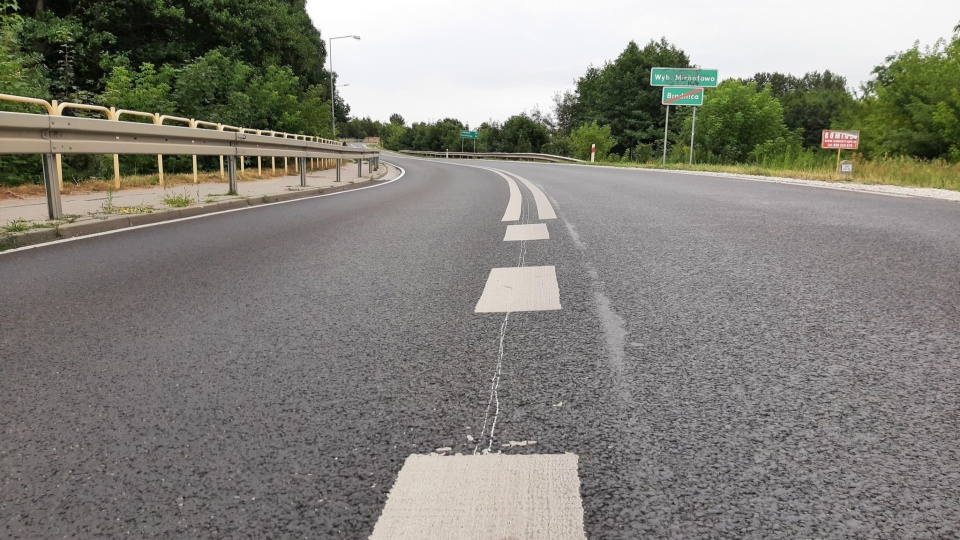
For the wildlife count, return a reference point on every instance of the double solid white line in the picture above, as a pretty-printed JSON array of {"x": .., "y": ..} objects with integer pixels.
[{"x": 544, "y": 208}]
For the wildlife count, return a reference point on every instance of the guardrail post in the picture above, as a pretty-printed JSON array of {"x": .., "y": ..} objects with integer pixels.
[
  {"x": 57, "y": 111},
  {"x": 116, "y": 171},
  {"x": 157, "y": 121},
  {"x": 193, "y": 124},
  {"x": 232, "y": 175},
  {"x": 112, "y": 115},
  {"x": 303, "y": 172},
  {"x": 259, "y": 160},
  {"x": 220, "y": 128},
  {"x": 338, "y": 171},
  {"x": 51, "y": 181},
  {"x": 160, "y": 168}
]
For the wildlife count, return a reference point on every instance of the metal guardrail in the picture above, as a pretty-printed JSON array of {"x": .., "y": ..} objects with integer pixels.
[
  {"x": 55, "y": 108},
  {"x": 549, "y": 158},
  {"x": 50, "y": 136}
]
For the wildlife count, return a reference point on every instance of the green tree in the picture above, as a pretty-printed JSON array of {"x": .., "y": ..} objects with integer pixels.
[
  {"x": 564, "y": 111},
  {"x": 437, "y": 137},
  {"x": 582, "y": 139},
  {"x": 146, "y": 89},
  {"x": 911, "y": 103},
  {"x": 392, "y": 137},
  {"x": 810, "y": 103},
  {"x": 489, "y": 137},
  {"x": 20, "y": 72},
  {"x": 521, "y": 133},
  {"x": 213, "y": 88},
  {"x": 262, "y": 32},
  {"x": 619, "y": 95},
  {"x": 735, "y": 118}
]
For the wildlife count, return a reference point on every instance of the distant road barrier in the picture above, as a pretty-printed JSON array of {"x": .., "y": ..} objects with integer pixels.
[
  {"x": 54, "y": 134},
  {"x": 549, "y": 158}
]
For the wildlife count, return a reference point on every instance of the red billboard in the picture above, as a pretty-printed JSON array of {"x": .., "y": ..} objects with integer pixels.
[{"x": 840, "y": 140}]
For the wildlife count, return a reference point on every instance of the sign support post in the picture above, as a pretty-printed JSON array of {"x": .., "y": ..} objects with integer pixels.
[
  {"x": 693, "y": 130},
  {"x": 464, "y": 134},
  {"x": 682, "y": 87},
  {"x": 841, "y": 140},
  {"x": 666, "y": 126}
]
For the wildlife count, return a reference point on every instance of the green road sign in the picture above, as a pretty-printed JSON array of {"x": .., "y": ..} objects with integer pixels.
[
  {"x": 704, "y": 78},
  {"x": 468, "y": 134},
  {"x": 682, "y": 95}
]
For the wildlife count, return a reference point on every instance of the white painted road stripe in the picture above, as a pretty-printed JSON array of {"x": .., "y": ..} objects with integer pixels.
[
  {"x": 485, "y": 497},
  {"x": 513, "y": 205},
  {"x": 533, "y": 231},
  {"x": 544, "y": 208},
  {"x": 529, "y": 288}
]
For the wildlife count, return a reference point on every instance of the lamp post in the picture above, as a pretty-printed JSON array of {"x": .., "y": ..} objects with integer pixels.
[{"x": 333, "y": 91}]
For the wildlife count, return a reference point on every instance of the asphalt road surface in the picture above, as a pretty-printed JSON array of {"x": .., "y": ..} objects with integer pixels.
[{"x": 731, "y": 359}]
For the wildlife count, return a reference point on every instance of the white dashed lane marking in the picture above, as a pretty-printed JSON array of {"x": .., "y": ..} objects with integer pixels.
[
  {"x": 534, "y": 231},
  {"x": 492, "y": 495},
  {"x": 484, "y": 497},
  {"x": 527, "y": 288}
]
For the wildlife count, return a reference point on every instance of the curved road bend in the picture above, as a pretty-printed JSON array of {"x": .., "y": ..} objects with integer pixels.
[{"x": 721, "y": 358}]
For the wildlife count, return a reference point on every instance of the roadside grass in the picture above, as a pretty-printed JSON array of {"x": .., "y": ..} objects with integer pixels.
[
  {"x": 22, "y": 225},
  {"x": 18, "y": 225},
  {"x": 904, "y": 172},
  {"x": 109, "y": 208},
  {"x": 180, "y": 201},
  {"x": 138, "y": 209}
]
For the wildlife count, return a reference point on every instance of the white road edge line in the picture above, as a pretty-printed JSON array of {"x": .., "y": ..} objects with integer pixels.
[
  {"x": 849, "y": 188},
  {"x": 211, "y": 214},
  {"x": 544, "y": 208}
]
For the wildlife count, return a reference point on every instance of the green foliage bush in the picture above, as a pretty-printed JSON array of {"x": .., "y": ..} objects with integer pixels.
[
  {"x": 912, "y": 105},
  {"x": 582, "y": 139},
  {"x": 735, "y": 118}
]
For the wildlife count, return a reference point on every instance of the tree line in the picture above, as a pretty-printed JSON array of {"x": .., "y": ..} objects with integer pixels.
[
  {"x": 251, "y": 63},
  {"x": 909, "y": 107}
]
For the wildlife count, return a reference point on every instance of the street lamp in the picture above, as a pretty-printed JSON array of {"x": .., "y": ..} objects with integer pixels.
[{"x": 333, "y": 91}]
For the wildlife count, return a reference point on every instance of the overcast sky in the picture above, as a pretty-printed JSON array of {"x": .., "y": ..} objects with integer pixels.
[{"x": 477, "y": 60}]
